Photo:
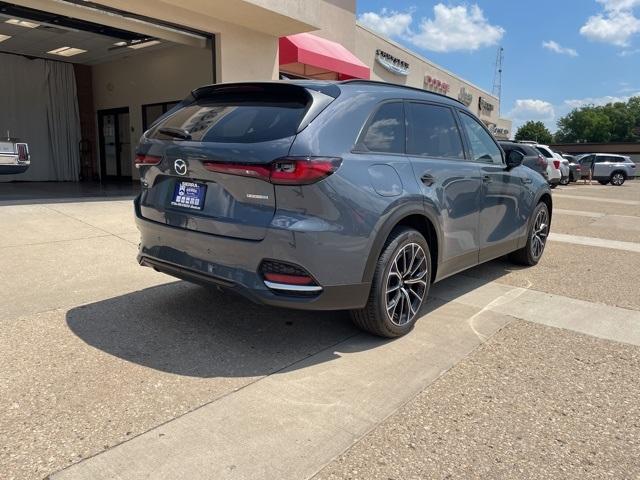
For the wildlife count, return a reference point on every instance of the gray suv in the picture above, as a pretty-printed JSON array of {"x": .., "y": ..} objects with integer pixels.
[
  {"x": 353, "y": 195},
  {"x": 606, "y": 167}
]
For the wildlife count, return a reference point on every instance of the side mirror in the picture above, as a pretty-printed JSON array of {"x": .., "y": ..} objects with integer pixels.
[{"x": 514, "y": 159}]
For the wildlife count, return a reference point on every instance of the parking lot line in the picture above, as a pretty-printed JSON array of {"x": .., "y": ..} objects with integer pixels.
[
  {"x": 597, "y": 199},
  {"x": 578, "y": 213},
  {"x": 595, "y": 242},
  {"x": 595, "y": 319}
]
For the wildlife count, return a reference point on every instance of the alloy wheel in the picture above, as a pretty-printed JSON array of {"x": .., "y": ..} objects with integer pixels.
[
  {"x": 406, "y": 284},
  {"x": 539, "y": 233},
  {"x": 617, "y": 179}
]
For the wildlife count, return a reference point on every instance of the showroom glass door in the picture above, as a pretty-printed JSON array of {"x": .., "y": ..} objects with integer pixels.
[{"x": 115, "y": 144}]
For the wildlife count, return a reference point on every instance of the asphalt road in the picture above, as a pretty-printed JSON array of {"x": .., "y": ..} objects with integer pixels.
[{"x": 99, "y": 352}]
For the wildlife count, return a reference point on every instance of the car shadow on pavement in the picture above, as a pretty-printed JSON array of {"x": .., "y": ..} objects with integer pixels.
[{"x": 190, "y": 330}]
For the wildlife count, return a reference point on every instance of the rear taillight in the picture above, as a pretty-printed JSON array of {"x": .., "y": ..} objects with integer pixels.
[
  {"x": 556, "y": 164},
  {"x": 23, "y": 152},
  {"x": 142, "y": 159},
  {"x": 284, "y": 171}
]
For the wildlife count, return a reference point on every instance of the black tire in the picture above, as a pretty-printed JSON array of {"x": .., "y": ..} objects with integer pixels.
[
  {"x": 617, "y": 178},
  {"x": 603, "y": 182},
  {"x": 375, "y": 317},
  {"x": 553, "y": 185},
  {"x": 529, "y": 255},
  {"x": 564, "y": 181}
]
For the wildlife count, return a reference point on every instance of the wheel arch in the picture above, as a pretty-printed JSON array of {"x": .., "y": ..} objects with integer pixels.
[{"x": 416, "y": 218}]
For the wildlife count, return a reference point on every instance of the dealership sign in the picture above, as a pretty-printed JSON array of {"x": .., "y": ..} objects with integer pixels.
[
  {"x": 465, "y": 97},
  {"x": 499, "y": 131},
  {"x": 435, "y": 85},
  {"x": 391, "y": 63},
  {"x": 485, "y": 107}
]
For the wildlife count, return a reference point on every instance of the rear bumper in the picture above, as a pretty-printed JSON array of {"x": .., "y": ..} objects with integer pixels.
[
  {"x": 233, "y": 264},
  {"x": 554, "y": 181}
]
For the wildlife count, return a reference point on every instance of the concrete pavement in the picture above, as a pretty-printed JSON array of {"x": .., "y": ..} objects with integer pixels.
[{"x": 101, "y": 351}]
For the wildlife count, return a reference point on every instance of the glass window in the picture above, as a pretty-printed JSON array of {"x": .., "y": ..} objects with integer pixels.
[
  {"x": 545, "y": 152},
  {"x": 246, "y": 118},
  {"x": 433, "y": 132},
  {"x": 151, "y": 112},
  {"x": 386, "y": 131},
  {"x": 483, "y": 148},
  {"x": 601, "y": 159}
]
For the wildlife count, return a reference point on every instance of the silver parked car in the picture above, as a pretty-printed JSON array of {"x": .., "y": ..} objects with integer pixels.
[
  {"x": 607, "y": 167},
  {"x": 14, "y": 156}
]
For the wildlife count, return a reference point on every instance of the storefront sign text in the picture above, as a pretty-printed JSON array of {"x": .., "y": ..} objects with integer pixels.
[
  {"x": 391, "y": 63},
  {"x": 485, "y": 107},
  {"x": 435, "y": 85},
  {"x": 465, "y": 97}
]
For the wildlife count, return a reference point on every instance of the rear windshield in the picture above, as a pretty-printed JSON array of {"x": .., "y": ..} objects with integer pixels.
[{"x": 246, "y": 118}]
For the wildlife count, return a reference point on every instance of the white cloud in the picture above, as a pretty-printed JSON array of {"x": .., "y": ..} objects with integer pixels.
[
  {"x": 387, "y": 22},
  {"x": 629, "y": 53},
  {"x": 616, "y": 5},
  {"x": 615, "y": 27},
  {"x": 454, "y": 28},
  {"x": 555, "y": 47},
  {"x": 532, "y": 109},
  {"x": 597, "y": 101}
]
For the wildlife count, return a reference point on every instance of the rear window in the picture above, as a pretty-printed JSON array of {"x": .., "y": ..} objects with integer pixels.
[
  {"x": 386, "y": 130},
  {"x": 545, "y": 152},
  {"x": 234, "y": 118}
]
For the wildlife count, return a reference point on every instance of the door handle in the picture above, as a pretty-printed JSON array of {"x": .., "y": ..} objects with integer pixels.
[
  {"x": 487, "y": 179},
  {"x": 427, "y": 179}
]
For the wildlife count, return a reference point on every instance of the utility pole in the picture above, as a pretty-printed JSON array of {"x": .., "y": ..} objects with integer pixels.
[{"x": 497, "y": 78}]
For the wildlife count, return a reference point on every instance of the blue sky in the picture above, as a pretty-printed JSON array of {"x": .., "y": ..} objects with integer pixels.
[{"x": 558, "y": 54}]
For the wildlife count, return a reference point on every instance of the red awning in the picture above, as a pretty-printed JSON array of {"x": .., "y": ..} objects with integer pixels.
[{"x": 323, "y": 56}]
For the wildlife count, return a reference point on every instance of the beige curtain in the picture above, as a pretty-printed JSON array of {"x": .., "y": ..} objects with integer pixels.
[{"x": 39, "y": 105}]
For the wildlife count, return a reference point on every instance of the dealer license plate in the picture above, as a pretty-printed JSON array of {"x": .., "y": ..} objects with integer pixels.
[{"x": 189, "y": 195}]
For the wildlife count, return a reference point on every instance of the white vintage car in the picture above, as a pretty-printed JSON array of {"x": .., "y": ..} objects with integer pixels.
[{"x": 14, "y": 156}]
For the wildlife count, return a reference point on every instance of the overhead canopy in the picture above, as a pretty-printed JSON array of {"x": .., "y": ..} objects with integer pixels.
[{"x": 312, "y": 56}]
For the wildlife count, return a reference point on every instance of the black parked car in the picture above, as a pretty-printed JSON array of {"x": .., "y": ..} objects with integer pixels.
[
  {"x": 532, "y": 157},
  {"x": 355, "y": 195},
  {"x": 575, "y": 169}
]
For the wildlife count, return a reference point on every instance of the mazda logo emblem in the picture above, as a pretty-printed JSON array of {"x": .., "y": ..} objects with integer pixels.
[{"x": 180, "y": 166}]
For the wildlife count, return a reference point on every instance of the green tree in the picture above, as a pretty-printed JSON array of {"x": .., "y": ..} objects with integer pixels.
[
  {"x": 614, "y": 122},
  {"x": 534, "y": 131}
]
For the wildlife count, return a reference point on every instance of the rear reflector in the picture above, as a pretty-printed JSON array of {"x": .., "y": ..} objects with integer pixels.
[
  {"x": 283, "y": 171},
  {"x": 288, "y": 279},
  {"x": 142, "y": 159},
  {"x": 281, "y": 276}
]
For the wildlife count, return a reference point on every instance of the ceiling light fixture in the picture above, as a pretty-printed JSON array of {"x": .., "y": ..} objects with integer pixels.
[
  {"x": 22, "y": 23},
  {"x": 66, "y": 51},
  {"x": 150, "y": 43}
]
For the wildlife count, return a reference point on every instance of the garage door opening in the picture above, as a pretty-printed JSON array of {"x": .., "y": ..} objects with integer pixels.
[{"x": 81, "y": 93}]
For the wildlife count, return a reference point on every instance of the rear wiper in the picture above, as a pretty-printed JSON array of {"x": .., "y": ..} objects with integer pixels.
[{"x": 175, "y": 133}]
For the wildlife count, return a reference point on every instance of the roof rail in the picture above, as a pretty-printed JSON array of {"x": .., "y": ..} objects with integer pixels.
[{"x": 388, "y": 84}]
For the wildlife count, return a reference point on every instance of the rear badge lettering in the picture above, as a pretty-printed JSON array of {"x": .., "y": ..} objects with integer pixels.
[{"x": 257, "y": 197}]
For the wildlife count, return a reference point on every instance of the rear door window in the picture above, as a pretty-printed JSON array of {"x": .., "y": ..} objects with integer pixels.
[
  {"x": 483, "y": 148},
  {"x": 247, "y": 118},
  {"x": 545, "y": 152},
  {"x": 433, "y": 132},
  {"x": 385, "y": 132}
]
